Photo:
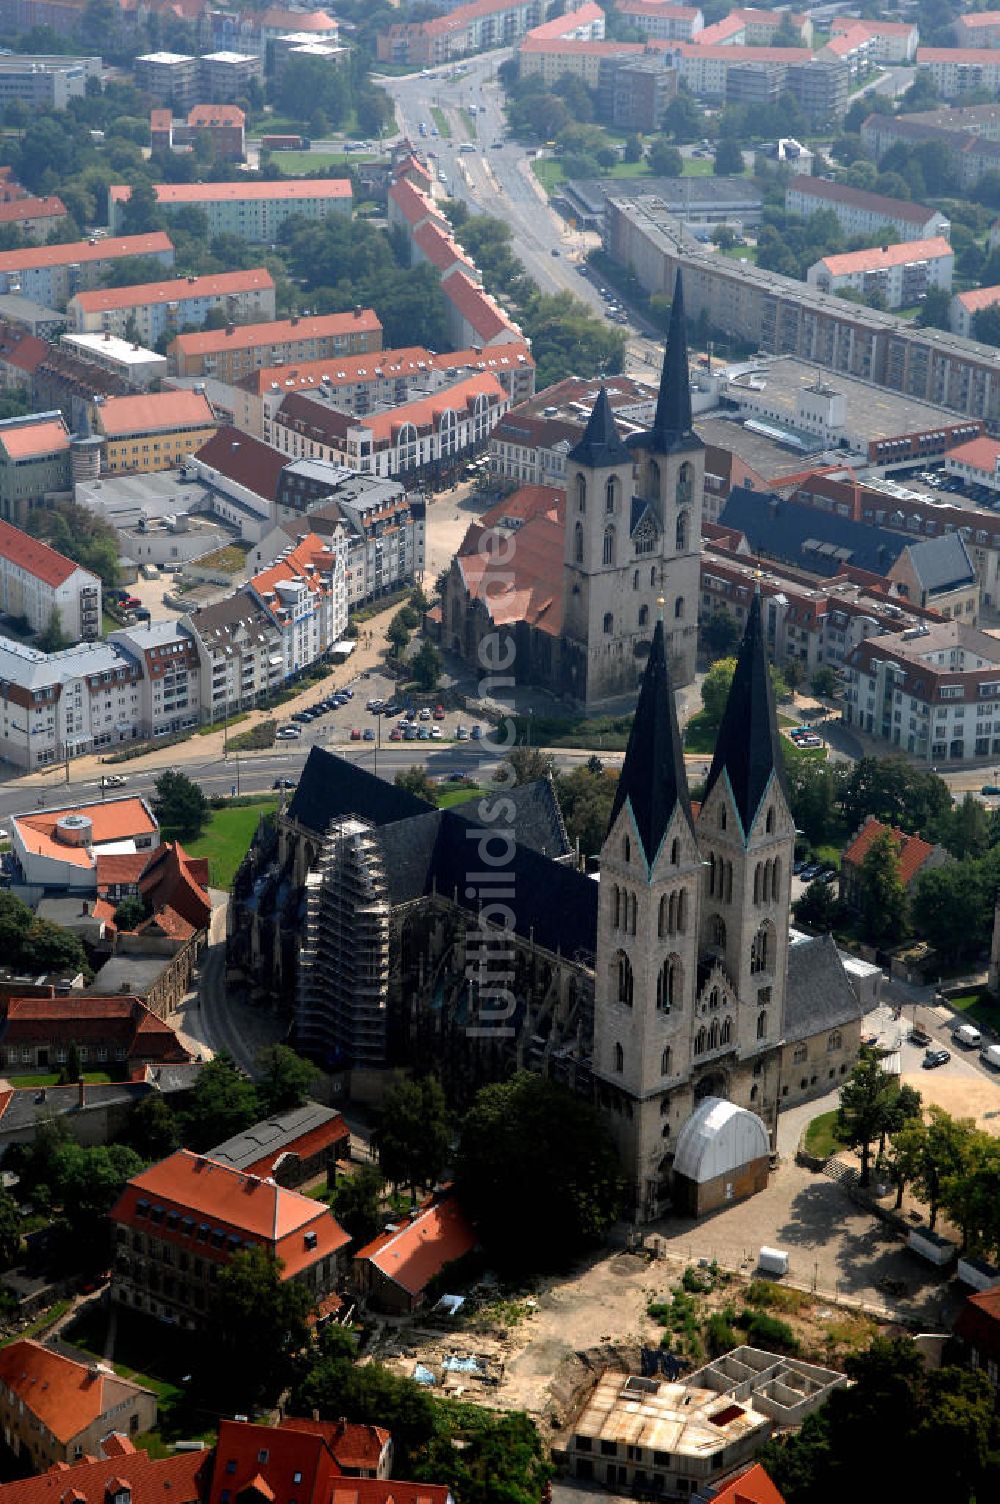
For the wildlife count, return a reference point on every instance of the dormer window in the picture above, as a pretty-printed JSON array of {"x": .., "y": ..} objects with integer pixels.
[{"x": 311, "y": 1239}]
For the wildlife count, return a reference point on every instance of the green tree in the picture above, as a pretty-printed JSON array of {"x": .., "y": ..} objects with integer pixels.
[
  {"x": 525, "y": 765},
  {"x": 534, "y": 1155},
  {"x": 283, "y": 1079},
  {"x": 953, "y": 907},
  {"x": 728, "y": 159},
  {"x": 357, "y": 1202},
  {"x": 720, "y": 635},
  {"x": 46, "y": 947},
  {"x": 259, "y": 1326},
  {"x": 413, "y": 1138},
  {"x": 585, "y": 798},
  {"x": 665, "y": 160},
  {"x": 130, "y": 913},
  {"x": 633, "y": 149},
  {"x": 142, "y": 213},
  {"x": 417, "y": 781},
  {"x": 970, "y": 829},
  {"x": 71, "y": 1070},
  {"x": 825, "y": 682},
  {"x": 179, "y": 805},
  {"x": 865, "y": 1100},
  {"x": 373, "y": 1395},
  {"x": 223, "y": 1102},
  {"x": 398, "y": 634},
  {"x": 425, "y": 666},
  {"x": 683, "y": 119},
  {"x": 818, "y": 908},
  {"x": 715, "y": 689},
  {"x": 882, "y": 896},
  {"x": 10, "y": 1230},
  {"x": 52, "y": 638},
  {"x": 151, "y": 1129}
]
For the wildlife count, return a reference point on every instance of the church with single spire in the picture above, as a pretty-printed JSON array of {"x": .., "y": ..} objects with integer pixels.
[{"x": 578, "y": 586}]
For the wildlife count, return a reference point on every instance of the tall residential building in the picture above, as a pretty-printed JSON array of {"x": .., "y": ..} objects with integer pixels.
[
  {"x": 45, "y": 82},
  {"x": 43, "y": 586},
  {"x": 168, "y": 78},
  {"x": 51, "y": 274},
  {"x": 34, "y": 462},
  {"x": 156, "y": 431},
  {"x": 233, "y": 352},
  {"x": 152, "y": 309}
]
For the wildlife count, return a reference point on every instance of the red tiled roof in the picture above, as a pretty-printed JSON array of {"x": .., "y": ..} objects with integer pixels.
[
  {"x": 324, "y": 1136},
  {"x": 114, "y": 868},
  {"x": 154, "y": 412},
  {"x": 241, "y": 192},
  {"x": 979, "y": 297},
  {"x": 477, "y": 309},
  {"x": 298, "y": 20},
  {"x": 75, "y": 251},
  {"x": 413, "y": 204},
  {"x": 177, "y": 289},
  {"x": 419, "y": 1249},
  {"x": 352, "y": 1444},
  {"x": 580, "y": 16},
  {"x": 311, "y": 550},
  {"x": 982, "y": 453},
  {"x": 386, "y": 1491},
  {"x": 912, "y": 852},
  {"x": 752, "y": 1487},
  {"x": 984, "y": 56},
  {"x": 112, "y": 820},
  {"x": 169, "y": 882},
  {"x": 880, "y": 28},
  {"x": 877, "y": 258},
  {"x": 342, "y": 370},
  {"x": 277, "y": 331},
  {"x": 178, "y": 1479},
  {"x": 878, "y": 203},
  {"x": 528, "y": 586},
  {"x": 438, "y": 247},
  {"x": 25, "y": 352},
  {"x": 978, "y": 1322},
  {"x": 567, "y": 46},
  {"x": 30, "y": 554},
  {"x": 32, "y": 208},
  {"x": 66, "y": 1397},
  {"x": 216, "y": 114},
  {"x": 740, "y": 54},
  {"x": 239, "y": 1204},
  {"x": 527, "y": 502},
  {"x": 118, "y": 1021},
  {"x": 244, "y": 459}
]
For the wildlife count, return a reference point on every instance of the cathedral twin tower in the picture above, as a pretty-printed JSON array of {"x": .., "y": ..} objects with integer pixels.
[{"x": 692, "y": 936}]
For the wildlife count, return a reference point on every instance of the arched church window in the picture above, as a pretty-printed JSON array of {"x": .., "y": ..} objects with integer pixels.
[
  {"x": 625, "y": 979},
  {"x": 609, "y": 623},
  {"x": 619, "y": 1059},
  {"x": 727, "y": 1031},
  {"x": 679, "y": 608},
  {"x": 685, "y": 484},
  {"x": 643, "y": 615},
  {"x": 578, "y": 544},
  {"x": 717, "y": 932},
  {"x": 665, "y": 1062},
  {"x": 609, "y": 545},
  {"x": 681, "y": 532},
  {"x": 627, "y": 849},
  {"x": 581, "y": 493},
  {"x": 675, "y": 851},
  {"x": 761, "y": 1025},
  {"x": 655, "y": 483},
  {"x": 611, "y": 491},
  {"x": 699, "y": 1042},
  {"x": 769, "y": 820}
]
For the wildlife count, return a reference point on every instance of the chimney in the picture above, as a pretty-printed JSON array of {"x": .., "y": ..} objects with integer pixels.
[
  {"x": 230, "y": 328},
  {"x": 82, "y": 1090},
  {"x": 294, "y": 320}
]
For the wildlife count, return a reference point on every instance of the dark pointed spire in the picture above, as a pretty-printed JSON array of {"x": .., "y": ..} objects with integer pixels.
[
  {"x": 671, "y": 428},
  {"x": 653, "y": 780},
  {"x": 601, "y": 443},
  {"x": 748, "y": 749}
]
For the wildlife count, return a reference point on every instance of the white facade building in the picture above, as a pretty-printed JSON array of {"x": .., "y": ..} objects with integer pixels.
[{"x": 41, "y": 585}]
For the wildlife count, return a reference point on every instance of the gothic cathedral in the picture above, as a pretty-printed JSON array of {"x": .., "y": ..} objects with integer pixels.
[
  {"x": 633, "y": 532},
  {"x": 692, "y": 932}
]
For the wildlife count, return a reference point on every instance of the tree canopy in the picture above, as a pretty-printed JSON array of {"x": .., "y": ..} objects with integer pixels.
[
  {"x": 179, "y": 805},
  {"x": 223, "y": 1102},
  {"x": 537, "y": 1172},
  {"x": 412, "y": 1138}
]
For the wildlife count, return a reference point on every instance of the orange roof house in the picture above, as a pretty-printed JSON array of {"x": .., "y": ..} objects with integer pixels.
[
  {"x": 178, "y": 1479},
  {"x": 54, "y": 1410},
  {"x": 115, "y": 1030},
  {"x": 752, "y": 1487},
  {"x": 210, "y": 1211},
  {"x": 915, "y": 857},
  {"x": 49, "y": 844},
  {"x": 394, "y": 1269}
]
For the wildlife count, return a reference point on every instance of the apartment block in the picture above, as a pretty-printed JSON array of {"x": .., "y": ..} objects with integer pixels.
[
  {"x": 304, "y": 593},
  {"x": 34, "y": 462},
  {"x": 965, "y": 306},
  {"x": 179, "y": 1222},
  {"x": 34, "y": 217},
  {"x": 780, "y": 315},
  {"x": 45, "y": 82},
  {"x": 661, "y": 20},
  {"x": 978, "y": 29},
  {"x": 59, "y": 705},
  {"x": 41, "y": 585},
  {"x": 901, "y": 275},
  {"x": 241, "y": 652},
  {"x": 225, "y": 76},
  {"x": 634, "y": 93},
  {"x": 152, "y": 432},
  {"x": 862, "y": 213},
  {"x": 133, "y": 364},
  {"x": 153, "y": 309},
  {"x": 231, "y": 353},
  {"x": 54, "y": 1411},
  {"x": 170, "y": 78},
  {"x": 170, "y": 684},
  {"x": 223, "y": 126},
  {"x": 417, "y": 436},
  {"x": 51, "y": 274},
  {"x": 470, "y": 28},
  {"x": 959, "y": 71},
  {"x": 253, "y": 210}
]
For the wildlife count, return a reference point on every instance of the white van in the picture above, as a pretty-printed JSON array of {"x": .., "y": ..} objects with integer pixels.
[
  {"x": 991, "y": 1056},
  {"x": 966, "y": 1035}
]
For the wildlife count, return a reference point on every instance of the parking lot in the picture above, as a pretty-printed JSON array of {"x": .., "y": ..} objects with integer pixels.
[{"x": 369, "y": 709}]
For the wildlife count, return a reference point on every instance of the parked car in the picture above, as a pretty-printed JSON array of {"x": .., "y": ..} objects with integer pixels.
[
  {"x": 990, "y": 789},
  {"x": 425, "y": 712},
  {"x": 423, "y": 733},
  {"x": 462, "y": 732},
  {"x": 283, "y": 783},
  {"x": 114, "y": 780},
  {"x": 369, "y": 735},
  {"x": 288, "y": 733},
  {"x": 395, "y": 735},
  {"x": 300, "y": 715},
  {"x": 476, "y": 733},
  {"x": 439, "y": 712},
  {"x": 436, "y": 733},
  {"x": 935, "y": 1058},
  {"x": 355, "y": 734}
]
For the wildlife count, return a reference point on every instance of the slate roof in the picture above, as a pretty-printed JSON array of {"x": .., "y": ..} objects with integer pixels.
[
  {"x": 748, "y": 747},
  {"x": 820, "y": 542},
  {"x": 426, "y": 849},
  {"x": 601, "y": 444},
  {"x": 653, "y": 780},
  {"x": 279, "y": 1133},
  {"x": 819, "y": 995},
  {"x": 671, "y": 428},
  {"x": 942, "y": 563}
]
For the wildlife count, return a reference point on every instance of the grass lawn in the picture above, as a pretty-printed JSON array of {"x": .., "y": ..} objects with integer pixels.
[
  {"x": 458, "y": 795},
  {"x": 828, "y": 855},
  {"x": 699, "y": 734},
  {"x": 51, "y": 1078},
  {"x": 597, "y": 733},
  {"x": 226, "y": 838},
  {"x": 980, "y": 1007},
  {"x": 549, "y": 172},
  {"x": 469, "y": 121},
  {"x": 441, "y": 121},
  {"x": 297, "y": 162},
  {"x": 821, "y": 1135},
  {"x": 698, "y": 167},
  {"x": 742, "y": 253}
]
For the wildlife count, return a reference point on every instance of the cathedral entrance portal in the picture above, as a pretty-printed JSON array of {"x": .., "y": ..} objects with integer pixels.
[{"x": 714, "y": 1084}]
